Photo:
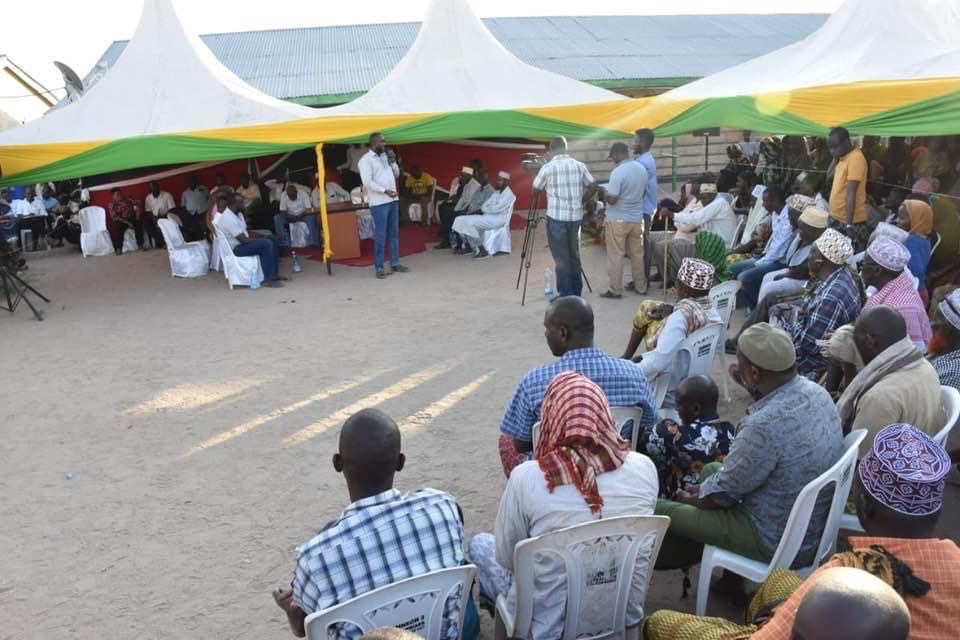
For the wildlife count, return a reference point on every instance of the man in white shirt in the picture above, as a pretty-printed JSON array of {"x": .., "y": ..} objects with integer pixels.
[
  {"x": 230, "y": 224},
  {"x": 32, "y": 214},
  {"x": 496, "y": 212},
  {"x": 379, "y": 172},
  {"x": 156, "y": 205},
  {"x": 750, "y": 272},
  {"x": 457, "y": 204},
  {"x": 195, "y": 201},
  {"x": 624, "y": 229},
  {"x": 567, "y": 183},
  {"x": 295, "y": 209}
]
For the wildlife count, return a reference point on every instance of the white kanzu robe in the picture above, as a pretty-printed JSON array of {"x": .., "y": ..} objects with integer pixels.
[{"x": 496, "y": 214}]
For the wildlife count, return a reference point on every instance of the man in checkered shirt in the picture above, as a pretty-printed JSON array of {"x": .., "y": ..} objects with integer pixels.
[
  {"x": 567, "y": 183},
  {"x": 382, "y": 537}
]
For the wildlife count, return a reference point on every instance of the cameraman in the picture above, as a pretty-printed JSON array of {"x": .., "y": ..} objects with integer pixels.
[{"x": 567, "y": 183}]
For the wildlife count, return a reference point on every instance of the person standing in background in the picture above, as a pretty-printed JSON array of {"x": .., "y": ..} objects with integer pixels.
[
  {"x": 350, "y": 170},
  {"x": 848, "y": 198},
  {"x": 642, "y": 142},
  {"x": 624, "y": 228},
  {"x": 379, "y": 172}
]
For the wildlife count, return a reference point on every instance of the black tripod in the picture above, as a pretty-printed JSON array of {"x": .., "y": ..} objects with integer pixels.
[
  {"x": 526, "y": 254},
  {"x": 15, "y": 291}
]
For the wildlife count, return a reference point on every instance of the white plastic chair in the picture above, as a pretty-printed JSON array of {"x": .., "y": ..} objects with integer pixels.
[
  {"x": 415, "y": 604},
  {"x": 701, "y": 348},
  {"x": 724, "y": 299},
  {"x": 299, "y": 235},
  {"x": 415, "y": 212},
  {"x": 840, "y": 475},
  {"x": 129, "y": 241},
  {"x": 238, "y": 271},
  {"x": 216, "y": 241},
  {"x": 187, "y": 259},
  {"x": 621, "y": 416},
  {"x": 950, "y": 398},
  {"x": 94, "y": 237},
  {"x": 599, "y": 559}
]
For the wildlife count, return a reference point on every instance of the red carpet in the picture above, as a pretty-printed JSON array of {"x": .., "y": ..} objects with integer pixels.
[{"x": 413, "y": 239}]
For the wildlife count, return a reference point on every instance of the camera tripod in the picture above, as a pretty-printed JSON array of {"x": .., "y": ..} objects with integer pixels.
[
  {"x": 526, "y": 254},
  {"x": 15, "y": 290}
]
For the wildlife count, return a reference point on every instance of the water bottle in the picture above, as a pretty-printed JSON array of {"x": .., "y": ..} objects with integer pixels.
[
  {"x": 295, "y": 263},
  {"x": 255, "y": 279},
  {"x": 548, "y": 285}
]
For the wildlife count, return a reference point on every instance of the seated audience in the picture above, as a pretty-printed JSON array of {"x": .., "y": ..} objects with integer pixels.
[
  {"x": 809, "y": 223},
  {"x": 495, "y": 212},
  {"x": 295, "y": 209},
  {"x": 569, "y": 332},
  {"x": 694, "y": 311},
  {"x": 383, "y": 536},
  {"x": 66, "y": 223},
  {"x": 582, "y": 471},
  {"x": 195, "y": 202},
  {"x": 461, "y": 193},
  {"x": 158, "y": 202},
  {"x": 916, "y": 217},
  {"x": 31, "y": 214},
  {"x": 750, "y": 272},
  {"x": 711, "y": 248},
  {"x": 898, "y": 492},
  {"x": 790, "y": 435},
  {"x": 832, "y": 302},
  {"x": 884, "y": 268},
  {"x": 680, "y": 451},
  {"x": 334, "y": 194},
  {"x": 945, "y": 344},
  {"x": 753, "y": 248},
  {"x": 894, "y": 383},
  {"x": 248, "y": 190},
  {"x": 417, "y": 188},
  {"x": 234, "y": 229},
  {"x": 716, "y": 215},
  {"x": 473, "y": 208},
  {"x": 124, "y": 214}
]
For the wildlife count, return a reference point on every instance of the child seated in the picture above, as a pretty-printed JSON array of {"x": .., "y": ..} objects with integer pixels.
[{"x": 680, "y": 451}]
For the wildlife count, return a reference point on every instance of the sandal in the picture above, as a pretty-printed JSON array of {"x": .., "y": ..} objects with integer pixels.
[{"x": 611, "y": 295}]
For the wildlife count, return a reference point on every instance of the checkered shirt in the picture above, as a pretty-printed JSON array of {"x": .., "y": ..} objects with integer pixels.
[
  {"x": 833, "y": 303},
  {"x": 621, "y": 380},
  {"x": 377, "y": 541},
  {"x": 948, "y": 368},
  {"x": 564, "y": 179}
]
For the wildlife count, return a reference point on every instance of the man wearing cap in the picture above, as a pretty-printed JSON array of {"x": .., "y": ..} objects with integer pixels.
[
  {"x": 473, "y": 208},
  {"x": 832, "y": 303},
  {"x": 625, "y": 197},
  {"x": 694, "y": 311},
  {"x": 568, "y": 184},
  {"x": 716, "y": 215},
  {"x": 457, "y": 204},
  {"x": 884, "y": 267},
  {"x": 895, "y": 383},
  {"x": 495, "y": 214},
  {"x": 944, "y": 346},
  {"x": 898, "y": 492},
  {"x": 789, "y": 436}
]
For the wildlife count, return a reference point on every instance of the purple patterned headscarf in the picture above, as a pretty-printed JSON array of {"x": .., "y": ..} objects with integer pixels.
[{"x": 906, "y": 471}]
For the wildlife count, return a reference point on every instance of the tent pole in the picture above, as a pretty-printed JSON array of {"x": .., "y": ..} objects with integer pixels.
[
  {"x": 673, "y": 152},
  {"x": 324, "y": 221}
]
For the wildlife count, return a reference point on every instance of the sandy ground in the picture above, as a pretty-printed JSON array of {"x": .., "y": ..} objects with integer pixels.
[{"x": 198, "y": 425}]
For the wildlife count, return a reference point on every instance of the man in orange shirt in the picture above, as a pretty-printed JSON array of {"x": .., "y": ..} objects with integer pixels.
[
  {"x": 848, "y": 199},
  {"x": 899, "y": 495}
]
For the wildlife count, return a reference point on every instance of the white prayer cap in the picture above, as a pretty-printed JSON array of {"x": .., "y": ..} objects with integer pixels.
[
  {"x": 467, "y": 170},
  {"x": 708, "y": 188},
  {"x": 504, "y": 174}
]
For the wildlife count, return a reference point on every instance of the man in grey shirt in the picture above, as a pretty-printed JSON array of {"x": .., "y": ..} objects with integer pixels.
[
  {"x": 624, "y": 196},
  {"x": 790, "y": 435}
]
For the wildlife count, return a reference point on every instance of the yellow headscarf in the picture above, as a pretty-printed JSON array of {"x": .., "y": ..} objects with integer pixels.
[{"x": 921, "y": 217}]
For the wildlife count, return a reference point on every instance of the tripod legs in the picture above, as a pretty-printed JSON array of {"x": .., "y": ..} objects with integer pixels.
[{"x": 11, "y": 282}]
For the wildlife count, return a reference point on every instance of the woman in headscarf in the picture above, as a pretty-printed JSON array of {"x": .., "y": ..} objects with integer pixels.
[
  {"x": 582, "y": 470},
  {"x": 916, "y": 217}
]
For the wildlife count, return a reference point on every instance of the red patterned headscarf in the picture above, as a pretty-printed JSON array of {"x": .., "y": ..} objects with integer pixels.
[{"x": 578, "y": 440}]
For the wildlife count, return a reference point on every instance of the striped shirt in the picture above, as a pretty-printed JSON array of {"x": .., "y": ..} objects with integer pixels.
[
  {"x": 947, "y": 367},
  {"x": 833, "y": 303},
  {"x": 377, "y": 541},
  {"x": 564, "y": 179}
]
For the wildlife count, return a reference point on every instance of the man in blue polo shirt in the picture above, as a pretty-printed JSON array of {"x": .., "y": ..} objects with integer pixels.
[
  {"x": 624, "y": 227},
  {"x": 569, "y": 332}
]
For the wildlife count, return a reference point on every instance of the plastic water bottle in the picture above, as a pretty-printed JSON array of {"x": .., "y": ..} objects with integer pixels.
[
  {"x": 295, "y": 263},
  {"x": 254, "y": 279},
  {"x": 548, "y": 285}
]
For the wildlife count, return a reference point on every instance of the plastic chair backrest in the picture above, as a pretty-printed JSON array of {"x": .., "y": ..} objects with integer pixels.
[
  {"x": 415, "y": 604},
  {"x": 357, "y": 195},
  {"x": 741, "y": 226},
  {"x": 171, "y": 234},
  {"x": 841, "y": 476},
  {"x": 599, "y": 559},
  {"x": 700, "y": 347},
  {"x": 226, "y": 251},
  {"x": 621, "y": 416},
  {"x": 936, "y": 243},
  {"x": 724, "y": 296},
  {"x": 950, "y": 398},
  {"x": 93, "y": 219}
]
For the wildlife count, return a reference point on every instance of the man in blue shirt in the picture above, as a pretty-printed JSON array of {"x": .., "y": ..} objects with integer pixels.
[
  {"x": 569, "y": 332},
  {"x": 625, "y": 194},
  {"x": 642, "y": 141}
]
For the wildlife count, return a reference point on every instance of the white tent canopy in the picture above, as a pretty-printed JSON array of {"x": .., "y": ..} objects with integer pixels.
[
  {"x": 456, "y": 64},
  {"x": 166, "y": 81},
  {"x": 863, "y": 41}
]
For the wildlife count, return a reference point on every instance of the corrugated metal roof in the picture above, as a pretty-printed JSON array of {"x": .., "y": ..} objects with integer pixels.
[{"x": 294, "y": 64}]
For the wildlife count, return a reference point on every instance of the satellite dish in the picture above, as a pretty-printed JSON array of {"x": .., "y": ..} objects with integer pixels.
[{"x": 71, "y": 81}]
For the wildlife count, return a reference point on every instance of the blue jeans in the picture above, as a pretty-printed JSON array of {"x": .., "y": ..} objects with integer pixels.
[
  {"x": 266, "y": 249},
  {"x": 386, "y": 222},
  {"x": 280, "y": 223},
  {"x": 564, "y": 241},
  {"x": 751, "y": 279}
]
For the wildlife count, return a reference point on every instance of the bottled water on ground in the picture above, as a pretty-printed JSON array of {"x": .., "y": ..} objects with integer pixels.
[
  {"x": 295, "y": 263},
  {"x": 548, "y": 285}
]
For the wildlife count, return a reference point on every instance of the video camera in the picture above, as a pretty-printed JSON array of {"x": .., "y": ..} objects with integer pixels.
[{"x": 531, "y": 162}]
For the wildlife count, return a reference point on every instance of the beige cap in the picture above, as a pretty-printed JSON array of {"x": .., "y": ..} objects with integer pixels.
[
  {"x": 767, "y": 347},
  {"x": 504, "y": 174},
  {"x": 708, "y": 188},
  {"x": 467, "y": 170},
  {"x": 815, "y": 217}
]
